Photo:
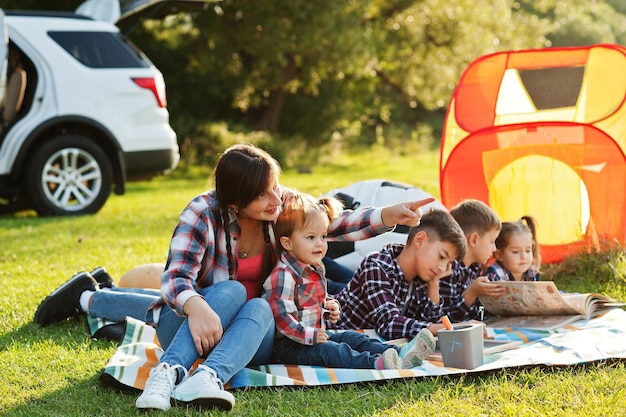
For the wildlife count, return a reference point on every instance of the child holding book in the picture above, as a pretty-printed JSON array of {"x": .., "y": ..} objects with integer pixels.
[
  {"x": 466, "y": 282},
  {"x": 296, "y": 292},
  {"x": 396, "y": 290},
  {"x": 517, "y": 252}
]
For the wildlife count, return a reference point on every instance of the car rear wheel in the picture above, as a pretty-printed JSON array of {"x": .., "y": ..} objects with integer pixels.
[{"x": 68, "y": 175}]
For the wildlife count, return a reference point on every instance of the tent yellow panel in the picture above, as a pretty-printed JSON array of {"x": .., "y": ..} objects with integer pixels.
[
  {"x": 561, "y": 206},
  {"x": 605, "y": 84}
]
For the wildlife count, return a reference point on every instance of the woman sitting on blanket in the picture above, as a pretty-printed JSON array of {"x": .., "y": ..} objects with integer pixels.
[
  {"x": 517, "y": 252},
  {"x": 296, "y": 292},
  {"x": 221, "y": 251},
  {"x": 209, "y": 306}
]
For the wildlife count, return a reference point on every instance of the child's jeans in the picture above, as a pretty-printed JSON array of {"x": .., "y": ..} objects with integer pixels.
[{"x": 348, "y": 349}]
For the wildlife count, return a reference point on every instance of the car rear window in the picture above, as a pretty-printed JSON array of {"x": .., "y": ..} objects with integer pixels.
[{"x": 100, "y": 49}]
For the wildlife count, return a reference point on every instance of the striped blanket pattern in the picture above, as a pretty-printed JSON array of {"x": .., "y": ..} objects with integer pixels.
[{"x": 582, "y": 342}]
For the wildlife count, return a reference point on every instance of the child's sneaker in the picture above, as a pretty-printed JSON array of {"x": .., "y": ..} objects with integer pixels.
[
  {"x": 418, "y": 349},
  {"x": 388, "y": 360},
  {"x": 204, "y": 388},
  {"x": 159, "y": 387}
]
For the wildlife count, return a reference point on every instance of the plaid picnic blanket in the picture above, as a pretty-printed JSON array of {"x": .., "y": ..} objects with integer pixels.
[{"x": 585, "y": 341}]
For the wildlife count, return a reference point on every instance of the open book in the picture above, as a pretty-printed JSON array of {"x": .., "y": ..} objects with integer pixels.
[{"x": 540, "y": 305}]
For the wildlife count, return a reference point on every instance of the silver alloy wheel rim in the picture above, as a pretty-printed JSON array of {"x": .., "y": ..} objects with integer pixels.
[{"x": 71, "y": 179}]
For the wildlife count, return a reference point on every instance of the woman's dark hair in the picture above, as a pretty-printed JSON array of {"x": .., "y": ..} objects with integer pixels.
[{"x": 241, "y": 174}]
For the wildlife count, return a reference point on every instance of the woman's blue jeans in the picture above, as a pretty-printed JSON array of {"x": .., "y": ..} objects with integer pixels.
[
  {"x": 248, "y": 332},
  {"x": 118, "y": 303}
]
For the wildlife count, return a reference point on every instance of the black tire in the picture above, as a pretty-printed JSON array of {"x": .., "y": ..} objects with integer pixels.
[{"x": 68, "y": 175}]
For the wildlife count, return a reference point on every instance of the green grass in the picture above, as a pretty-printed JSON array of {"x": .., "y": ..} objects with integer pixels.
[{"x": 54, "y": 371}]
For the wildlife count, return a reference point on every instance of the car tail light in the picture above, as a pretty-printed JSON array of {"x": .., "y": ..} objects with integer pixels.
[{"x": 154, "y": 84}]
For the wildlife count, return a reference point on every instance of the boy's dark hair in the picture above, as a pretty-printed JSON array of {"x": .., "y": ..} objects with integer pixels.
[
  {"x": 475, "y": 216},
  {"x": 439, "y": 225}
]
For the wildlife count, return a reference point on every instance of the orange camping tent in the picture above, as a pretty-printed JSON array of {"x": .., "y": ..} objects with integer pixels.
[{"x": 542, "y": 132}]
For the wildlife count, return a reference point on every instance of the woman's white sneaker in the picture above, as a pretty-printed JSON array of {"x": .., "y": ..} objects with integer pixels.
[
  {"x": 203, "y": 388},
  {"x": 159, "y": 386}
]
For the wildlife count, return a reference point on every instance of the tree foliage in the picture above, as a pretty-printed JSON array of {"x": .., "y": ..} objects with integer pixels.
[
  {"x": 354, "y": 71},
  {"x": 359, "y": 70}
]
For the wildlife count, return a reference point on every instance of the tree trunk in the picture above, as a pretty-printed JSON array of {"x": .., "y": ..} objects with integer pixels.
[{"x": 270, "y": 115}]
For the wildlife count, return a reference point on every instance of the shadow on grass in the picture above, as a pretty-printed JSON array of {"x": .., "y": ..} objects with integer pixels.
[
  {"x": 64, "y": 355},
  {"x": 81, "y": 398}
]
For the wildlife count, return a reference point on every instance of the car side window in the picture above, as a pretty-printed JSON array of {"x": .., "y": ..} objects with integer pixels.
[{"x": 100, "y": 49}]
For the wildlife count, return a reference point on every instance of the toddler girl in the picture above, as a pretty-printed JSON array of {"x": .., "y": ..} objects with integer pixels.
[{"x": 296, "y": 292}]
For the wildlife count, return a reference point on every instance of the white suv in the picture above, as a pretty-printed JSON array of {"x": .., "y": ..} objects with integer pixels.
[{"x": 93, "y": 113}]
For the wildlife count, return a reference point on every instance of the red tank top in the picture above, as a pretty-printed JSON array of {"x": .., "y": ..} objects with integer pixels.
[{"x": 248, "y": 274}]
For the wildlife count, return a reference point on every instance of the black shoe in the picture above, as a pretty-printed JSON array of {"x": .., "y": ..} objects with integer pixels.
[
  {"x": 102, "y": 277},
  {"x": 115, "y": 332},
  {"x": 64, "y": 301}
]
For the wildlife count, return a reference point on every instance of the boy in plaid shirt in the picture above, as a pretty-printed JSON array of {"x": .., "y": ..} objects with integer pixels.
[
  {"x": 461, "y": 289},
  {"x": 396, "y": 290}
]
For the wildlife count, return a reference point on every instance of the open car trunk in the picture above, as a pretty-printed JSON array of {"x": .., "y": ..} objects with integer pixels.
[{"x": 126, "y": 13}]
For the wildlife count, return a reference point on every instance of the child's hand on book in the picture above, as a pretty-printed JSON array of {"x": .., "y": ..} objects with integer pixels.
[{"x": 484, "y": 287}]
